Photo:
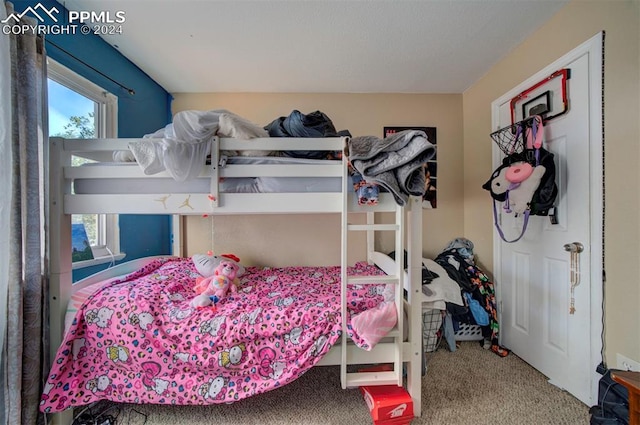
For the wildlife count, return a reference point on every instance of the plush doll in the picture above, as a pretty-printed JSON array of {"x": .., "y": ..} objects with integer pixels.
[
  {"x": 498, "y": 184},
  {"x": 518, "y": 194},
  {"x": 520, "y": 197},
  {"x": 214, "y": 288}
]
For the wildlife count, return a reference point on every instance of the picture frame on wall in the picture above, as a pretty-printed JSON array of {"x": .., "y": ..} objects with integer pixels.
[{"x": 430, "y": 198}]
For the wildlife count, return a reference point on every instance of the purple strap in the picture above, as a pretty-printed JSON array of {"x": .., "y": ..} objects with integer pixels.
[
  {"x": 495, "y": 221},
  {"x": 506, "y": 206},
  {"x": 537, "y": 131},
  {"x": 515, "y": 140}
]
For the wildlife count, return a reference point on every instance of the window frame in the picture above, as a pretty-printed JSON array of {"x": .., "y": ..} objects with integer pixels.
[{"x": 106, "y": 123}]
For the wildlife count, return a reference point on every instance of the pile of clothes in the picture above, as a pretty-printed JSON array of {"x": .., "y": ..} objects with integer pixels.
[
  {"x": 396, "y": 163},
  {"x": 315, "y": 124},
  {"x": 477, "y": 291}
]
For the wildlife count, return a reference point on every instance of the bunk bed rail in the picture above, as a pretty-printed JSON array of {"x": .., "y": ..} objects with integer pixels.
[{"x": 207, "y": 198}]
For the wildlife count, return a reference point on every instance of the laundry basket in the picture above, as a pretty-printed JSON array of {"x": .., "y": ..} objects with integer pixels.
[
  {"x": 431, "y": 324},
  {"x": 467, "y": 332}
]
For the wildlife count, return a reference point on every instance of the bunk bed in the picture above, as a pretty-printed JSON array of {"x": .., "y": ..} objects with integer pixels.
[{"x": 401, "y": 346}]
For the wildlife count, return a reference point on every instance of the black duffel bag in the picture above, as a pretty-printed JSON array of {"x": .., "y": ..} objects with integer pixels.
[{"x": 613, "y": 402}]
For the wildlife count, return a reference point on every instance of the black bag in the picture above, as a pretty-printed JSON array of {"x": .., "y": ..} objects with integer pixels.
[
  {"x": 545, "y": 196},
  {"x": 613, "y": 402},
  {"x": 598, "y": 417}
]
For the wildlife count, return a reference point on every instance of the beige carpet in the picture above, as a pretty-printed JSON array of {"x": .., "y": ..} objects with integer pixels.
[{"x": 469, "y": 386}]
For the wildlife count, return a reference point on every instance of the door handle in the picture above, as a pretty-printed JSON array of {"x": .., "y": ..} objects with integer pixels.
[{"x": 574, "y": 248}]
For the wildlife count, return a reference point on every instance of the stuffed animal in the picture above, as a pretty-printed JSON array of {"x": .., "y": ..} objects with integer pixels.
[
  {"x": 498, "y": 184},
  {"x": 520, "y": 197},
  {"x": 207, "y": 264},
  {"x": 519, "y": 194},
  {"x": 214, "y": 288}
]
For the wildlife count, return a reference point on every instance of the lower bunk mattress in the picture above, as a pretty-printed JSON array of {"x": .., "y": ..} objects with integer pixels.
[{"x": 136, "y": 339}]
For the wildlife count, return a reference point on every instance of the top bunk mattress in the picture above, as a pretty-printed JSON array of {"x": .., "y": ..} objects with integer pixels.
[{"x": 202, "y": 184}]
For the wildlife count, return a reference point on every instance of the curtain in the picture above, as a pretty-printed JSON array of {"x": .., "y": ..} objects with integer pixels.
[
  {"x": 5, "y": 178},
  {"x": 23, "y": 348}
]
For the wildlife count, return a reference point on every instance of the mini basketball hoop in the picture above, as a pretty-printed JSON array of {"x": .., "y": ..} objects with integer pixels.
[{"x": 547, "y": 98}]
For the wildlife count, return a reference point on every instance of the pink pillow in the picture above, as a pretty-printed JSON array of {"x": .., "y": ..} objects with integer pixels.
[{"x": 519, "y": 172}]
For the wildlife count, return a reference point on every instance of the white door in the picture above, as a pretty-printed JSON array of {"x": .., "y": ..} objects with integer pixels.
[{"x": 533, "y": 275}]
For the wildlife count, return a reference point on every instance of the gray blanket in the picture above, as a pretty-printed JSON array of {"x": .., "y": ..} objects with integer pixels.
[{"x": 395, "y": 162}]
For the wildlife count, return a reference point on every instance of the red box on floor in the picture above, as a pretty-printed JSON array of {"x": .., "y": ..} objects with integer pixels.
[{"x": 388, "y": 404}]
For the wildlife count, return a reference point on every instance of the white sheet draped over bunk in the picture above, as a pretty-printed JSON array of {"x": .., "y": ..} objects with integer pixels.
[
  {"x": 181, "y": 147},
  {"x": 181, "y": 159}
]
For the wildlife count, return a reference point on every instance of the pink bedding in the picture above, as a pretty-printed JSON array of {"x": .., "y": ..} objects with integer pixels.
[{"x": 137, "y": 340}]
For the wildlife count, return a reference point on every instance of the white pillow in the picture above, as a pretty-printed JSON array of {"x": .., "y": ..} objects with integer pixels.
[
  {"x": 206, "y": 264},
  {"x": 237, "y": 127}
]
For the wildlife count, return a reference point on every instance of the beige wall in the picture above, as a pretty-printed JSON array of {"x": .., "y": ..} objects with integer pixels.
[
  {"x": 573, "y": 25},
  {"x": 315, "y": 239},
  {"x": 464, "y": 208}
]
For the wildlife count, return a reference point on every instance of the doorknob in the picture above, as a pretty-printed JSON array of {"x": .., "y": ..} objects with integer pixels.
[{"x": 574, "y": 248}]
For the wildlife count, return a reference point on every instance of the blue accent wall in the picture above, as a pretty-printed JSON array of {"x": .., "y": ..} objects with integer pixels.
[{"x": 143, "y": 112}]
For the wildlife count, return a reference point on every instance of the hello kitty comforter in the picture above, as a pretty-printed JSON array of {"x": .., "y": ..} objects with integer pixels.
[{"x": 137, "y": 340}]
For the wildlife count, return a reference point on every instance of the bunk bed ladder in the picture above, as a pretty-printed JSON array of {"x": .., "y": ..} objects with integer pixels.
[{"x": 351, "y": 379}]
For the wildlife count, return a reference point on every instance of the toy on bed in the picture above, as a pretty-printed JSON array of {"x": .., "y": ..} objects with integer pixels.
[
  {"x": 214, "y": 288},
  {"x": 206, "y": 264}
]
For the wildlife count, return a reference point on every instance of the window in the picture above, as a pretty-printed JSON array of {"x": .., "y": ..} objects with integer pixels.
[{"x": 80, "y": 109}]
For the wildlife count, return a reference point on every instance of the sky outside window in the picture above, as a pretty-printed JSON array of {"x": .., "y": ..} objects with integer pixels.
[{"x": 65, "y": 103}]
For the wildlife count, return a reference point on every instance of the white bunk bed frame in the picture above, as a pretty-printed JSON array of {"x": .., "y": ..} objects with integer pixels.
[{"x": 407, "y": 227}]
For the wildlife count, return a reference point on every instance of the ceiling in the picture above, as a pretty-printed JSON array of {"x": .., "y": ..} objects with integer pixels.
[{"x": 313, "y": 46}]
